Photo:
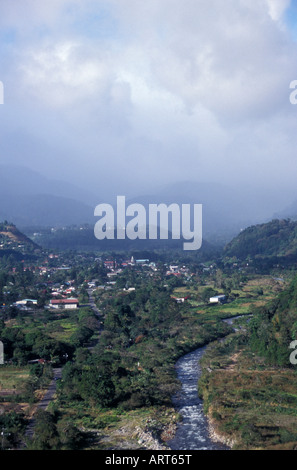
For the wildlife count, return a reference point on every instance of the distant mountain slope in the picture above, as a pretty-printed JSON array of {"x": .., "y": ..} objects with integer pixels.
[
  {"x": 20, "y": 181},
  {"x": 28, "y": 199},
  {"x": 277, "y": 238},
  {"x": 45, "y": 210},
  {"x": 225, "y": 210},
  {"x": 11, "y": 236},
  {"x": 31, "y": 199},
  {"x": 83, "y": 238}
]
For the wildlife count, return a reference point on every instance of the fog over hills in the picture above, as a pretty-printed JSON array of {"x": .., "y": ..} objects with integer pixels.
[
  {"x": 169, "y": 102},
  {"x": 23, "y": 181},
  {"x": 225, "y": 210},
  {"x": 289, "y": 212},
  {"x": 31, "y": 199}
]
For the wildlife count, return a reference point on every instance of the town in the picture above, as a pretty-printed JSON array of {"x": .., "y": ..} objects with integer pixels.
[{"x": 91, "y": 338}]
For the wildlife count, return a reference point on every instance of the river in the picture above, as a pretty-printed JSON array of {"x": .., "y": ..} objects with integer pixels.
[{"x": 192, "y": 433}]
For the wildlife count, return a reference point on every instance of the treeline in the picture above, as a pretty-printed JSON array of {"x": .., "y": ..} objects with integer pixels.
[
  {"x": 277, "y": 238},
  {"x": 21, "y": 345},
  {"x": 274, "y": 327},
  {"x": 248, "y": 383},
  {"x": 4, "y": 225},
  {"x": 52, "y": 433},
  {"x": 132, "y": 365}
]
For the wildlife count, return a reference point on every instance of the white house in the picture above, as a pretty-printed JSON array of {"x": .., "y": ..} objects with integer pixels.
[
  {"x": 64, "y": 303},
  {"x": 218, "y": 299},
  {"x": 26, "y": 302}
]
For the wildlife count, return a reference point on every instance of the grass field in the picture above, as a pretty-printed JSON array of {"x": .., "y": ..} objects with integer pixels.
[
  {"x": 247, "y": 402},
  {"x": 59, "y": 326},
  {"x": 121, "y": 430},
  {"x": 13, "y": 378},
  {"x": 61, "y": 330},
  {"x": 254, "y": 293}
]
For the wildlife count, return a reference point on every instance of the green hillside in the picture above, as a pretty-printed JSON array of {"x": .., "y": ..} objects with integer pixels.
[
  {"x": 275, "y": 327},
  {"x": 249, "y": 380},
  {"x": 11, "y": 238},
  {"x": 277, "y": 238}
]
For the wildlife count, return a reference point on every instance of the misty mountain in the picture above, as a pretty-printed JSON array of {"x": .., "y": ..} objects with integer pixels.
[
  {"x": 276, "y": 240},
  {"x": 22, "y": 181},
  {"x": 226, "y": 211},
  {"x": 45, "y": 210},
  {"x": 289, "y": 212},
  {"x": 82, "y": 239},
  {"x": 30, "y": 199},
  {"x": 10, "y": 235}
]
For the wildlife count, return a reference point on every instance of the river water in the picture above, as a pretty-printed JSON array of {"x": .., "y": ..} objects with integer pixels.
[{"x": 192, "y": 433}]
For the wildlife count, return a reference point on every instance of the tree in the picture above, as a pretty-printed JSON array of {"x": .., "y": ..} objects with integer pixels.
[
  {"x": 207, "y": 293},
  {"x": 98, "y": 387},
  {"x": 46, "y": 435}
]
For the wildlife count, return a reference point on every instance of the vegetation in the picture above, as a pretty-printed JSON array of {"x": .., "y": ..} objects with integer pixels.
[
  {"x": 118, "y": 371},
  {"x": 266, "y": 244},
  {"x": 275, "y": 327},
  {"x": 249, "y": 384}
]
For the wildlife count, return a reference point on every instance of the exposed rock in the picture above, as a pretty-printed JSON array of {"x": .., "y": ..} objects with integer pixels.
[
  {"x": 147, "y": 440},
  {"x": 218, "y": 437}
]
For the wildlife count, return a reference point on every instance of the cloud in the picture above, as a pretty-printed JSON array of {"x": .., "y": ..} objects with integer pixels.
[
  {"x": 59, "y": 75},
  {"x": 150, "y": 92},
  {"x": 231, "y": 59},
  {"x": 25, "y": 16},
  {"x": 277, "y": 8}
]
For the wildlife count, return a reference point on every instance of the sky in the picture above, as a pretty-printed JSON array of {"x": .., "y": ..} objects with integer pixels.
[{"x": 124, "y": 96}]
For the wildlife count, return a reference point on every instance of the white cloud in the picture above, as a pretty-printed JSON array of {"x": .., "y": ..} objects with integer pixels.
[
  {"x": 277, "y": 8},
  {"x": 59, "y": 75},
  {"x": 188, "y": 86},
  {"x": 229, "y": 58}
]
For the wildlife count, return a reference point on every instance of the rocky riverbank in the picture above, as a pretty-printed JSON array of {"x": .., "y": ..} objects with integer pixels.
[
  {"x": 216, "y": 436},
  {"x": 154, "y": 436},
  {"x": 136, "y": 432}
]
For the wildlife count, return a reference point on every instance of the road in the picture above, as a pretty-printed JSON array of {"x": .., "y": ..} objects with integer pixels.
[
  {"x": 92, "y": 303},
  {"x": 57, "y": 374},
  {"x": 44, "y": 402}
]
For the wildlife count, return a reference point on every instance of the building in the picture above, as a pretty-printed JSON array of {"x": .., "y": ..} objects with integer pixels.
[
  {"x": 174, "y": 269},
  {"x": 26, "y": 303},
  {"x": 110, "y": 264},
  {"x": 64, "y": 303},
  {"x": 180, "y": 300},
  {"x": 218, "y": 299}
]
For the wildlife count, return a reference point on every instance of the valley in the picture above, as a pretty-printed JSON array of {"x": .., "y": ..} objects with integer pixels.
[{"x": 136, "y": 315}]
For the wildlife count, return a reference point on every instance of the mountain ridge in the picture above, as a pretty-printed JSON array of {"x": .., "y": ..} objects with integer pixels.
[
  {"x": 11, "y": 235},
  {"x": 277, "y": 238}
]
